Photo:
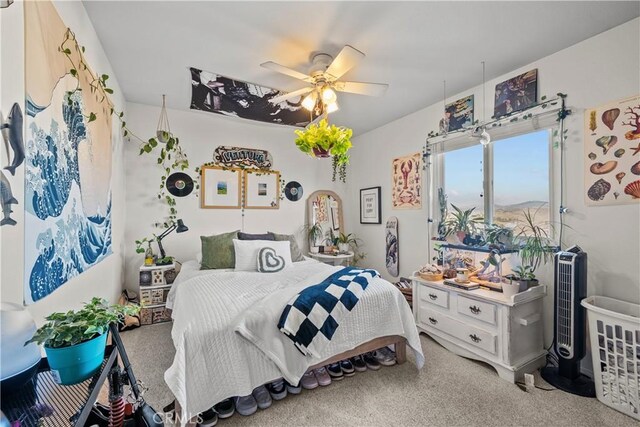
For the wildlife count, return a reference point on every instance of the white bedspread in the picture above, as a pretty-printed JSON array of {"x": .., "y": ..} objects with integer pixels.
[{"x": 213, "y": 362}]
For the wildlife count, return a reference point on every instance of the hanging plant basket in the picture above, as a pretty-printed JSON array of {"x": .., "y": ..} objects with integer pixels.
[
  {"x": 323, "y": 140},
  {"x": 163, "y": 133}
]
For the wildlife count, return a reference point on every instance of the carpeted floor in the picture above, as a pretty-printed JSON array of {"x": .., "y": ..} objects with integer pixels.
[{"x": 448, "y": 391}]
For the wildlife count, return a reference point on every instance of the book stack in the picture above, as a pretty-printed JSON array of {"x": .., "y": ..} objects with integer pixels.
[
  {"x": 406, "y": 288},
  {"x": 468, "y": 286}
]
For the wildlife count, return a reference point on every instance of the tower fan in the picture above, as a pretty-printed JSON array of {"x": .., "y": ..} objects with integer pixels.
[{"x": 570, "y": 277}]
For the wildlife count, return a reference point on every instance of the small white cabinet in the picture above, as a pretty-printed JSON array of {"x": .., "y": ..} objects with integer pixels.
[{"x": 484, "y": 325}]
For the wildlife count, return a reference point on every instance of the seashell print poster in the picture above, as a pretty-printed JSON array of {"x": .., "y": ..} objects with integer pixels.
[
  {"x": 68, "y": 161},
  {"x": 612, "y": 153},
  {"x": 406, "y": 185}
]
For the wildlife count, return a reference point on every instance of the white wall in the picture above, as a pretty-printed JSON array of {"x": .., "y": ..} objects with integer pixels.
[
  {"x": 200, "y": 133},
  {"x": 105, "y": 278},
  {"x": 593, "y": 72}
]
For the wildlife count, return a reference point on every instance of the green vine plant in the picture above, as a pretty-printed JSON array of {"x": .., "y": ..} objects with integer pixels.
[{"x": 171, "y": 156}]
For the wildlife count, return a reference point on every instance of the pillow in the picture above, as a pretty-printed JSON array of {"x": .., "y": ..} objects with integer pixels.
[
  {"x": 296, "y": 253},
  {"x": 248, "y": 236},
  {"x": 247, "y": 252},
  {"x": 269, "y": 261},
  {"x": 217, "y": 251}
]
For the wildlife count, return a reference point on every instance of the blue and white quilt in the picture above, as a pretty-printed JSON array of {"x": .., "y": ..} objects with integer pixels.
[{"x": 312, "y": 317}]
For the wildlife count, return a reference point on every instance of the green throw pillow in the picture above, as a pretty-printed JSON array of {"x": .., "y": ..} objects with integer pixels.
[
  {"x": 218, "y": 252},
  {"x": 296, "y": 253}
]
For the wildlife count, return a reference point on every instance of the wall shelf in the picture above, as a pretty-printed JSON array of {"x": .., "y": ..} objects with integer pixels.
[{"x": 484, "y": 249}]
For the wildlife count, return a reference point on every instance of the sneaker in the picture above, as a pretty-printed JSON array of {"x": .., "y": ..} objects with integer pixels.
[
  {"x": 322, "y": 376},
  {"x": 277, "y": 389},
  {"x": 359, "y": 364},
  {"x": 208, "y": 418},
  {"x": 225, "y": 409},
  {"x": 262, "y": 396},
  {"x": 371, "y": 361},
  {"x": 347, "y": 368},
  {"x": 309, "y": 380},
  {"x": 385, "y": 356},
  {"x": 245, "y": 405},
  {"x": 335, "y": 371},
  {"x": 293, "y": 389}
]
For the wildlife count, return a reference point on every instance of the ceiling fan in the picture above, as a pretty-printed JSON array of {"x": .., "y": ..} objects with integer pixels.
[{"x": 323, "y": 80}]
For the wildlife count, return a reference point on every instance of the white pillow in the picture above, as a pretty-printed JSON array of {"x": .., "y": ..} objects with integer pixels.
[{"x": 247, "y": 252}]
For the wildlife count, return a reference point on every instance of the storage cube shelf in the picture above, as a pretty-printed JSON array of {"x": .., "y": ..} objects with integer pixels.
[{"x": 154, "y": 286}]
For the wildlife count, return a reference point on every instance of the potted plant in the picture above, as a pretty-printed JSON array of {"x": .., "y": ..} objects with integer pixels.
[
  {"x": 315, "y": 233},
  {"x": 324, "y": 140},
  {"x": 75, "y": 341},
  {"x": 509, "y": 287},
  {"x": 462, "y": 223},
  {"x": 346, "y": 242},
  {"x": 523, "y": 275}
]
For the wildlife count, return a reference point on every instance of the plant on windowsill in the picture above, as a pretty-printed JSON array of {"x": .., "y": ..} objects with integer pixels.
[
  {"x": 324, "y": 140},
  {"x": 461, "y": 224},
  {"x": 75, "y": 341}
]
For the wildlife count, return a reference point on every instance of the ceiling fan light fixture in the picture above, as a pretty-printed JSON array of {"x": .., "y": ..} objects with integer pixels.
[
  {"x": 310, "y": 101},
  {"x": 332, "y": 107},
  {"x": 329, "y": 96}
]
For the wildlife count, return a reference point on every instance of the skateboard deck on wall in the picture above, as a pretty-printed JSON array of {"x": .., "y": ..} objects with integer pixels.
[{"x": 392, "y": 249}]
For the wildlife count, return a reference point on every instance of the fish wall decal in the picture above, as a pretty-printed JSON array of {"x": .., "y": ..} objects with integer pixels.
[{"x": 12, "y": 135}]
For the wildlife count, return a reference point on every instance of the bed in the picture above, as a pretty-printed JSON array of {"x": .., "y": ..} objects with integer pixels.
[{"x": 227, "y": 342}]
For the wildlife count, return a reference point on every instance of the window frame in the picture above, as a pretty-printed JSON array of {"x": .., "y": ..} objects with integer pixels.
[{"x": 488, "y": 170}]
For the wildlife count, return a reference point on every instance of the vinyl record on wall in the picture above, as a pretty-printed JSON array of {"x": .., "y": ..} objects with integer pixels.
[
  {"x": 293, "y": 191},
  {"x": 179, "y": 184}
]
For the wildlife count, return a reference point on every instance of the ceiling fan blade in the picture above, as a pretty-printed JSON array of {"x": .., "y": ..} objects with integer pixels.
[
  {"x": 369, "y": 89},
  {"x": 346, "y": 60},
  {"x": 285, "y": 70},
  {"x": 280, "y": 98}
]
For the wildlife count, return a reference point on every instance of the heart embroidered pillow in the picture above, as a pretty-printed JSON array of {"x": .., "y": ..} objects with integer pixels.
[{"x": 269, "y": 261}]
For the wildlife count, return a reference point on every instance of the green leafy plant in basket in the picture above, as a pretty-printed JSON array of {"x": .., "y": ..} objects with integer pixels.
[
  {"x": 462, "y": 222},
  {"x": 325, "y": 140},
  {"x": 75, "y": 341}
]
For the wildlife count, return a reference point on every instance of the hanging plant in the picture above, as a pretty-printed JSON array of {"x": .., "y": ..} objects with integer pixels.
[
  {"x": 324, "y": 140},
  {"x": 170, "y": 158}
]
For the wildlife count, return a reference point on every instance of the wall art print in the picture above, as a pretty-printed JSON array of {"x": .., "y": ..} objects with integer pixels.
[
  {"x": 459, "y": 114},
  {"x": 612, "y": 153},
  {"x": 406, "y": 185},
  {"x": 222, "y": 95},
  {"x": 68, "y": 161},
  {"x": 516, "y": 94},
  {"x": 242, "y": 157}
]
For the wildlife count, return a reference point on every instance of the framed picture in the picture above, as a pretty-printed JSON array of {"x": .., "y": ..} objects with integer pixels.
[
  {"x": 459, "y": 114},
  {"x": 516, "y": 94},
  {"x": 220, "y": 188},
  {"x": 370, "y": 208},
  {"x": 261, "y": 189},
  {"x": 406, "y": 181}
]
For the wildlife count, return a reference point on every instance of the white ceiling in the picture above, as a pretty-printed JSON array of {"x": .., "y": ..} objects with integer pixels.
[{"x": 412, "y": 46}]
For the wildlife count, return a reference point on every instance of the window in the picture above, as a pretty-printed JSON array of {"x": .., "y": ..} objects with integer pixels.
[
  {"x": 518, "y": 179},
  {"x": 463, "y": 178},
  {"x": 521, "y": 179}
]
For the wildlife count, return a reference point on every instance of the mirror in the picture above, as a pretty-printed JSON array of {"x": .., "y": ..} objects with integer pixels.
[{"x": 324, "y": 210}]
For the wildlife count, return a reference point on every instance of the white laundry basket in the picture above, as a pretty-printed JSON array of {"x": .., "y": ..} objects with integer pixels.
[{"x": 614, "y": 331}]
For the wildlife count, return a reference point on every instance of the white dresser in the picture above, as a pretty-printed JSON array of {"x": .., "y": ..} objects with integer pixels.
[{"x": 484, "y": 325}]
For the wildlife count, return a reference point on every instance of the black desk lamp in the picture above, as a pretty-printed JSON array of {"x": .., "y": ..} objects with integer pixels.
[{"x": 179, "y": 227}]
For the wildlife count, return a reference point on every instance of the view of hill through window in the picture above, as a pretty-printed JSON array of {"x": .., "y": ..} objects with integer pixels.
[{"x": 520, "y": 179}]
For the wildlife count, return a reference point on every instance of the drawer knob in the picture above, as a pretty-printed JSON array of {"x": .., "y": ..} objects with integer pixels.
[
  {"x": 475, "y": 338},
  {"x": 433, "y": 296},
  {"x": 474, "y": 309},
  {"x": 433, "y": 321}
]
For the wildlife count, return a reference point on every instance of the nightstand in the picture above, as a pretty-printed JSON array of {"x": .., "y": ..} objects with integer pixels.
[
  {"x": 154, "y": 286},
  {"x": 339, "y": 259}
]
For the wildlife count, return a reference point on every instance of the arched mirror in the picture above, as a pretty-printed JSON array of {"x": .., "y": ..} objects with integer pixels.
[{"x": 324, "y": 221}]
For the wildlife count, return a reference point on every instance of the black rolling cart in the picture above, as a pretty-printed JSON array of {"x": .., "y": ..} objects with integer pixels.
[{"x": 43, "y": 402}]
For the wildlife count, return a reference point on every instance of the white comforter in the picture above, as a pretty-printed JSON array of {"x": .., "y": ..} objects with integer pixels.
[{"x": 213, "y": 361}]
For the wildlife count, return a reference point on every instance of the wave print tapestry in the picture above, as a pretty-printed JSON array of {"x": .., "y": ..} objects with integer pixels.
[{"x": 68, "y": 161}]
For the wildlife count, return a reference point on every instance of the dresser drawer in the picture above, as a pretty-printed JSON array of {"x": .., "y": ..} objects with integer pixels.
[
  {"x": 475, "y": 309},
  {"x": 434, "y": 296},
  {"x": 469, "y": 334}
]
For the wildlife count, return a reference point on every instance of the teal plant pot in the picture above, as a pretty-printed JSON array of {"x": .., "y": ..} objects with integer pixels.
[{"x": 74, "y": 364}]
